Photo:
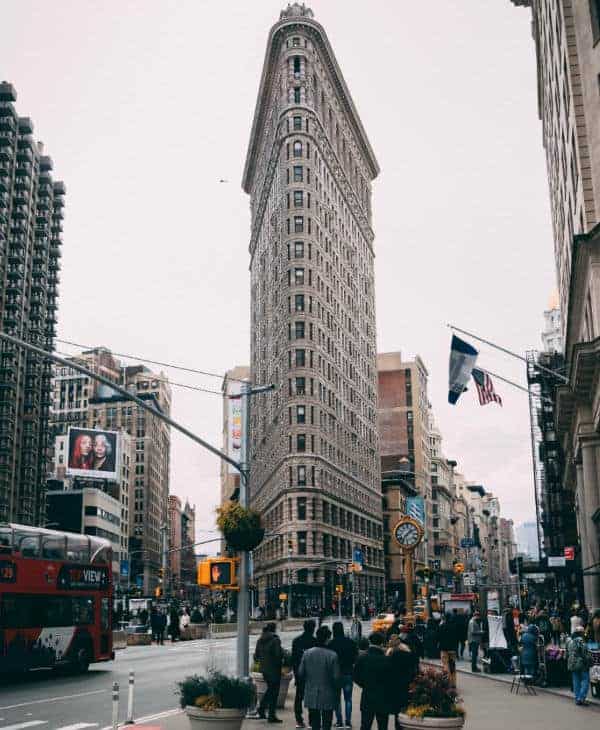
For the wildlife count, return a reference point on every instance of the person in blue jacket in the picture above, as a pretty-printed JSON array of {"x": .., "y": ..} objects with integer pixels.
[{"x": 529, "y": 650}]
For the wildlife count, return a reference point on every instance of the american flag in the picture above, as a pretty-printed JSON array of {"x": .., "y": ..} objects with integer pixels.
[{"x": 485, "y": 388}]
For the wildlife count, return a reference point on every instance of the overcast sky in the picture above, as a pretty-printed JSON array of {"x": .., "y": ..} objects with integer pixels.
[{"x": 145, "y": 105}]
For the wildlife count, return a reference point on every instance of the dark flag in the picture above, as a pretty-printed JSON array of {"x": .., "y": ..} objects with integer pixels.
[
  {"x": 462, "y": 361},
  {"x": 485, "y": 388}
]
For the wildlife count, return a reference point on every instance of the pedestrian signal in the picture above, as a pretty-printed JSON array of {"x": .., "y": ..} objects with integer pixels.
[
  {"x": 157, "y": 592},
  {"x": 459, "y": 568},
  {"x": 219, "y": 573}
]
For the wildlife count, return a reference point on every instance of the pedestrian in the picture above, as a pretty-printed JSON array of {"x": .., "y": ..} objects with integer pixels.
[
  {"x": 448, "y": 641},
  {"x": 430, "y": 640},
  {"x": 162, "y": 625},
  {"x": 578, "y": 663},
  {"x": 462, "y": 623},
  {"x": 403, "y": 666},
  {"x": 143, "y": 617},
  {"x": 154, "y": 621},
  {"x": 174, "y": 624},
  {"x": 371, "y": 674},
  {"x": 269, "y": 655},
  {"x": 363, "y": 646},
  {"x": 347, "y": 654},
  {"x": 529, "y": 651},
  {"x": 320, "y": 671},
  {"x": 300, "y": 644},
  {"x": 474, "y": 639}
]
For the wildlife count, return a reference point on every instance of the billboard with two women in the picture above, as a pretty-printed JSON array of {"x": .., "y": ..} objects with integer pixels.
[{"x": 93, "y": 453}]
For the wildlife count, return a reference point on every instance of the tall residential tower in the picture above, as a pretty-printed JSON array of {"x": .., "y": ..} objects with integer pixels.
[
  {"x": 31, "y": 213},
  {"x": 315, "y": 461}
]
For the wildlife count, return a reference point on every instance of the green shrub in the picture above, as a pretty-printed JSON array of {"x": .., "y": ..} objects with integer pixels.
[{"x": 222, "y": 691}]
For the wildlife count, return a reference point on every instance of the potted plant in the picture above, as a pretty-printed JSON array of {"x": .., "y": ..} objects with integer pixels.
[
  {"x": 241, "y": 527},
  {"x": 215, "y": 701},
  {"x": 286, "y": 678},
  {"x": 432, "y": 703}
]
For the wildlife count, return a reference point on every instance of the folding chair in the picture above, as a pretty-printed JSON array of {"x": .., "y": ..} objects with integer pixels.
[{"x": 519, "y": 677}]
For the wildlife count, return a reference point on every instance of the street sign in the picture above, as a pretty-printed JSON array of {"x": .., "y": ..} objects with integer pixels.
[
  {"x": 469, "y": 579},
  {"x": 569, "y": 553},
  {"x": 339, "y": 589},
  {"x": 467, "y": 542},
  {"x": 357, "y": 556},
  {"x": 557, "y": 561},
  {"x": 124, "y": 568}
]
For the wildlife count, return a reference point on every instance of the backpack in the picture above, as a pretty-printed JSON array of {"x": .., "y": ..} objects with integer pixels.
[{"x": 578, "y": 658}]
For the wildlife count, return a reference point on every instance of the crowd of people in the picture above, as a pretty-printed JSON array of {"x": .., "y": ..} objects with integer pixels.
[{"x": 326, "y": 666}]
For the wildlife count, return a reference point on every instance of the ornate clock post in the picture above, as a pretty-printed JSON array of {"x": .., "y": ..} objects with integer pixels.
[{"x": 408, "y": 534}]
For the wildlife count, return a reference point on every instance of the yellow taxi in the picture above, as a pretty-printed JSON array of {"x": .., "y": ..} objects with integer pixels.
[{"x": 383, "y": 622}]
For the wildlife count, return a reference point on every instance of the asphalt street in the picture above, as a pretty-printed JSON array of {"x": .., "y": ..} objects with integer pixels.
[{"x": 55, "y": 701}]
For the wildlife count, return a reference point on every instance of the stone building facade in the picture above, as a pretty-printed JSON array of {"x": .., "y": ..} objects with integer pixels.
[
  {"x": 566, "y": 34},
  {"x": 314, "y": 450},
  {"x": 31, "y": 213}
]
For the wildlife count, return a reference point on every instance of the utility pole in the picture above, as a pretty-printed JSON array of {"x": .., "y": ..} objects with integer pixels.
[{"x": 163, "y": 555}]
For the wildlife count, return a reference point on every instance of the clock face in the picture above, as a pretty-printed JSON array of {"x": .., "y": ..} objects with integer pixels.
[{"x": 407, "y": 533}]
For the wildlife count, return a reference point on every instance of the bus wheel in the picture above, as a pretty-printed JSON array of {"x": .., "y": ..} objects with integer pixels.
[{"x": 82, "y": 660}]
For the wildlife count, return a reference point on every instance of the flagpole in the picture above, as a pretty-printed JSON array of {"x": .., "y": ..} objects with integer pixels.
[
  {"x": 509, "y": 352},
  {"x": 510, "y": 382}
]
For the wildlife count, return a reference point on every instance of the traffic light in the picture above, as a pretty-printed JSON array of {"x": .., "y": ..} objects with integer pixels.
[
  {"x": 161, "y": 574},
  {"x": 219, "y": 573},
  {"x": 459, "y": 568},
  {"x": 158, "y": 592}
]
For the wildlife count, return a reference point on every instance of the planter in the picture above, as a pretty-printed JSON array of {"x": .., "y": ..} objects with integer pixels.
[
  {"x": 215, "y": 719},
  {"x": 261, "y": 688},
  {"x": 244, "y": 539},
  {"x": 415, "y": 723}
]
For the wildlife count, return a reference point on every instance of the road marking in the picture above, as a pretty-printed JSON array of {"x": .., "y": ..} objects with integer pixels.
[
  {"x": 52, "y": 699},
  {"x": 77, "y": 726},
  {"x": 148, "y": 718},
  {"x": 22, "y": 725}
]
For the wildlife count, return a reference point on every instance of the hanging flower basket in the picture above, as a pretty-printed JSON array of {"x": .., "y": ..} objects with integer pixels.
[{"x": 240, "y": 526}]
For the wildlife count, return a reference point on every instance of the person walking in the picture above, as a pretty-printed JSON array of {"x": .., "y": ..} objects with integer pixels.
[
  {"x": 448, "y": 641},
  {"x": 371, "y": 673},
  {"x": 403, "y": 665},
  {"x": 162, "y": 625},
  {"x": 174, "y": 624},
  {"x": 529, "y": 650},
  {"x": 154, "y": 616},
  {"x": 462, "y": 623},
  {"x": 269, "y": 655},
  {"x": 320, "y": 672},
  {"x": 347, "y": 653},
  {"x": 474, "y": 639},
  {"x": 300, "y": 644},
  {"x": 578, "y": 663}
]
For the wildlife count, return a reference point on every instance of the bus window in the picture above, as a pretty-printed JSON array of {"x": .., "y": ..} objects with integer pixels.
[
  {"x": 54, "y": 547},
  {"x": 28, "y": 545},
  {"x": 102, "y": 555},
  {"x": 83, "y": 611},
  {"x": 5, "y": 539},
  {"x": 78, "y": 548},
  {"x": 105, "y": 615}
]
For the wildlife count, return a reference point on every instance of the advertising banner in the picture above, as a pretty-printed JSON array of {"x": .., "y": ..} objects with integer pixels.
[
  {"x": 93, "y": 453},
  {"x": 415, "y": 508},
  {"x": 234, "y": 423}
]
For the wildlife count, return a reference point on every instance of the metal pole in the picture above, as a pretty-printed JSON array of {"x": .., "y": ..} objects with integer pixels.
[
  {"x": 243, "y": 626},
  {"x": 519, "y": 584},
  {"x": 353, "y": 596},
  {"x": 115, "y": 705},
  {"x": 409, "y": 557},
  {"x": 163, "y": 530},
  {"x": 129, "y": 720}
]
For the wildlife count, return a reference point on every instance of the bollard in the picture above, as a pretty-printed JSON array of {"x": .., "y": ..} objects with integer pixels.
[
  {"x": 129, "y": 720},
  {"x": 115, "y": 706}
]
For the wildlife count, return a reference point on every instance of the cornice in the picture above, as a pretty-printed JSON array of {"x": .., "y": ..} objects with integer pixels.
[{"x": 319, "y": 37}]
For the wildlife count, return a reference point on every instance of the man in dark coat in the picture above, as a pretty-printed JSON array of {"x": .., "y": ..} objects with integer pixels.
[
  {"x": 269, "y": 655},
  {"x": 300, "y": 644},
  {"x": 320, "y": 671},
  {"x": 371, "y": 674},
  {"x": 448, "y": 642},
  {"x": 347, "y": 653}
]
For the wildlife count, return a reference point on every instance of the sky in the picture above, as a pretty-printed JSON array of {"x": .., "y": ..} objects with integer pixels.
[{"x": 145, "y": 105}]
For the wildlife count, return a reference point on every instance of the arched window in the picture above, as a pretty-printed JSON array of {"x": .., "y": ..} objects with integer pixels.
[{"x": 297, "y": 149}]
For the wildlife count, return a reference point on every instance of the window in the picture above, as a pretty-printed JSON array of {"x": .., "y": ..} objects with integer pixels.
[
  {"x": 298, "y": 249},
  {"x": 301, "y": 476},
  {"x": 297, "y": 123},
  {"x": 21, "y": 611},
  {"x": 298, "y": 277},
  {"x": 595, "y": 19},
  {"x": 300, "y": 414},
  {"x": 301, "y": 442},
  {"x": 297, "y": 95},
  {"x": 299, "y": 302},
  {"x": 300, "y": 358},
  {"x": 299, "y": 330},
  {"x": 297, "y": 149},
  {"x": 298, "y": 224},
  {"x": 301, "y": 508},
  {"x": 300, "y": 386},
  {"x": 296, "y": 65},
  {"x": 301, "y": 543},
  {"x": 298, "y": 198},
  {"x": 296, "y": 42},
  {"x": 298, "y": 173}
]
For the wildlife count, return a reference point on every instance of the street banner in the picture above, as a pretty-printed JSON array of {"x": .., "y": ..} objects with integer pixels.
[
  {"x": 234, "y": 423},
  {"x": 415, "y": 508},
  {"x": 462, "y": 361},
  {"x": 497, "y": 638},
  {"x": 93, "y": 454}
]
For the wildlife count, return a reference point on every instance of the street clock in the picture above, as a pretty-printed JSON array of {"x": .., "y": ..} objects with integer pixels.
[{"x": 408, "y": 533}]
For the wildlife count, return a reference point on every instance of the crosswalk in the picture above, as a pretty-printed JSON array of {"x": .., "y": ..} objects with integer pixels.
[{"x": 38, "y": 723}]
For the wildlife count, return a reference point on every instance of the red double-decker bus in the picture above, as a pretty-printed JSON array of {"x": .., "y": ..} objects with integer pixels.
[{"x": 55, "y": 599}]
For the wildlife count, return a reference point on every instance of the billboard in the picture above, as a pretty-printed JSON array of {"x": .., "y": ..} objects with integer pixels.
[
  {"x": 234, "y": 423},
  {"x": 92, "y": 453},
  {"x": 415, "y": 508}
]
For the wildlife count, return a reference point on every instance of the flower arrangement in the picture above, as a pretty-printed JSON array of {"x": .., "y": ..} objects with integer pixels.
[
  {"x": 432, "y": 695},
  {"x": 241, "y": 527},
  {"x": 215, "y": 691}
]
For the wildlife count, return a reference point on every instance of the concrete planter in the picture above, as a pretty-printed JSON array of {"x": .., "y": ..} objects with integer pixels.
[
  {"x": 417, "y": 723},
  {"x": 222, "y": 719},
  {"x": 261, "y": 688},
  {"x": 139, "y": 639}
]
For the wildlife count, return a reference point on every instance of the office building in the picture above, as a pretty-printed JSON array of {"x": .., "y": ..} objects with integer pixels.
[
  {"x": 566, "y": 35},
  {"x": 315, "y": 461},
  {"x": 31, "y": 213}
]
